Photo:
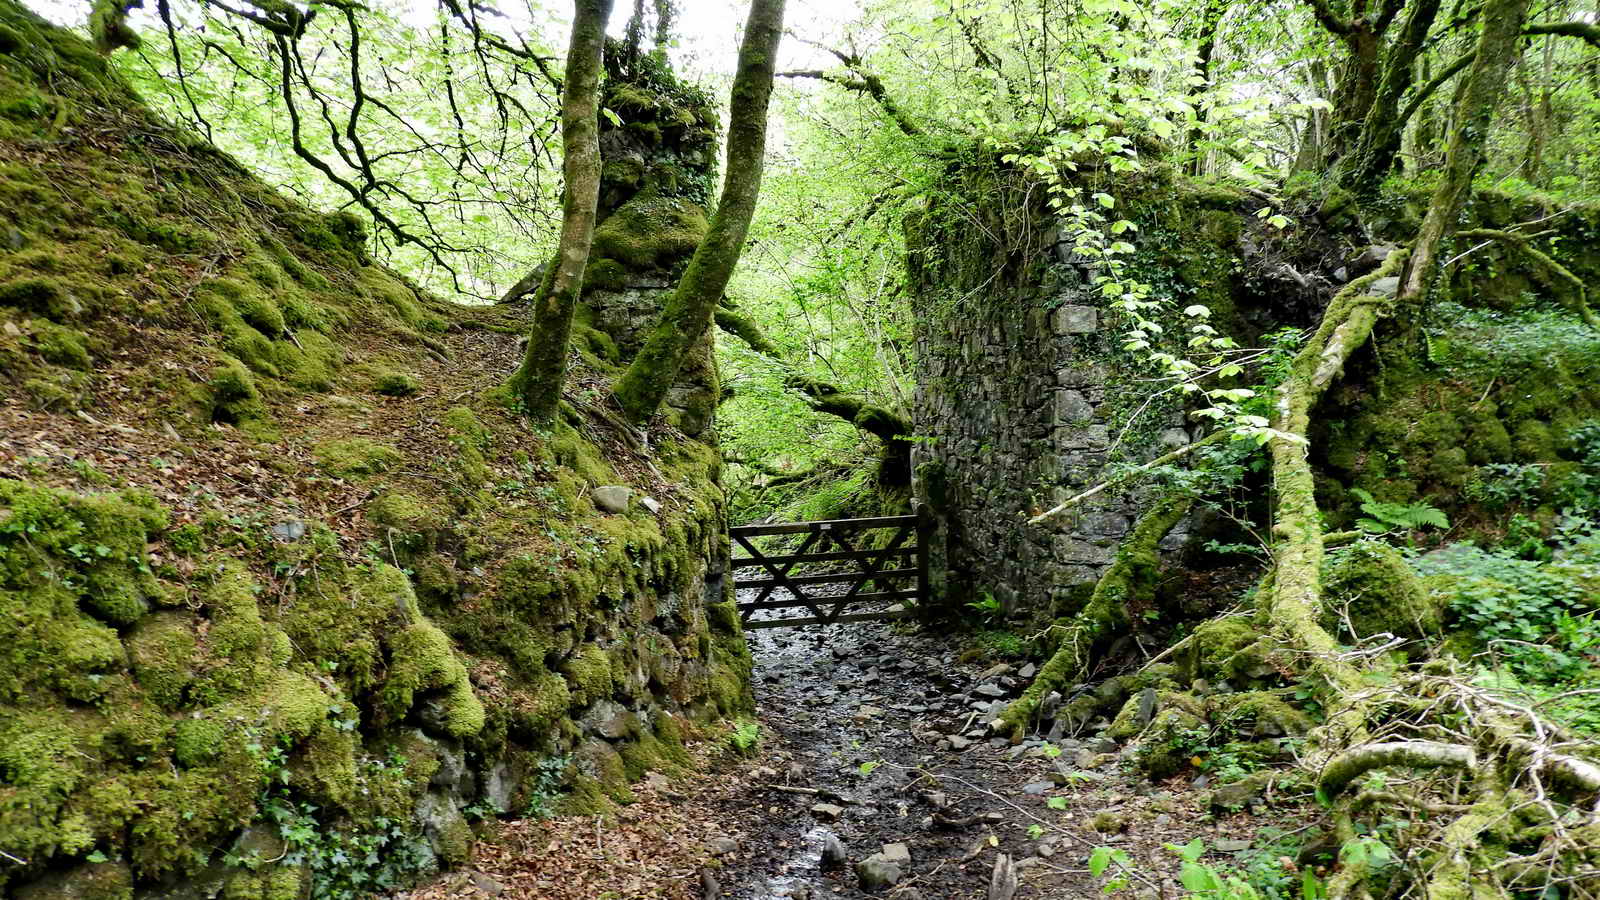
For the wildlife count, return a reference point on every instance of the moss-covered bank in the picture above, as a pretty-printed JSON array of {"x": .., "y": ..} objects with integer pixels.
[{"x": 286, "y": 597}]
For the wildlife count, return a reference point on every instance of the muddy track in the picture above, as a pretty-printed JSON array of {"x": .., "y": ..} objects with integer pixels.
[{"x": 874, "y": 735}]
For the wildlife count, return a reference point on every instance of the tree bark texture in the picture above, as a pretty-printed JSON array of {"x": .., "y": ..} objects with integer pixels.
[
  {"x": 688, "y": 311},
  {"x": 1379, "y": 140},
  {"x": 538, "y": 381},
  {"x": 1477, "y": 98}
]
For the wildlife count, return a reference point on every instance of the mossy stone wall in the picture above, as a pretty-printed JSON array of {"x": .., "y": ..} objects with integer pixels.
[
  {"x": 659, "y": 161},
  {"x": 1024, "y": 394},
  {"x": 415, "y": 616}
]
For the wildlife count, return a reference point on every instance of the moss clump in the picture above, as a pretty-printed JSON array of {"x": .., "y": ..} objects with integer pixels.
[
  {"x": 396, "y": 384},
  {"x": 88, "y": 549},
  {"x": 234, "y": 397},
  {"x": 1229, "y": 649},
  {"x": 590, "y": 675},
  {"x": 1167, "y": 745},
  {"x": 1369, "y": 585},
  {"x": 1262, "y": 714},
  {"x": 605, "y": 275},
  {"x": 658, "y": 750},
  {"x": 649, "y": 232},
  {"x": 407, "y": 521},
  {"x": 61, "y": 345},
  {"x": 51, "y": 298},
  {"x": 196, "y": 742},
  {"x": 163, "y": 651},
  {"x": 421, "y": 659},
  {"x": 398, "y": 302},
  {"x": 245, "y": 652},
  {"x": 465, "y": 427},
  {"x": 356, "y": 457},
  {"x": 573, "y": 451}
]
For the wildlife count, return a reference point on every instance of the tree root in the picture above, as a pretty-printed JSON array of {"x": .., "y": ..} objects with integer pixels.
[
  {"x": 1352, "y": 764},
  {"x": 1131, "y": 574}
]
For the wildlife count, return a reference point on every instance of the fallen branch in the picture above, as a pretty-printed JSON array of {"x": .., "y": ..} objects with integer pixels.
[
  {"x": 1352, "y": 764},
  {"x": 1129, "y": 475}
]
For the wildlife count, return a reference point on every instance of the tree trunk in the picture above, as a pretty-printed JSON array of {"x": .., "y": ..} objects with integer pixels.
[
  {"x": 688, "y": 311},
  {"x": 538, "y": 381},
  {"x": 1211, "y": 25},
  {"x": 1313, "y": 140},
  {"x": 1358, "y": 87},
  {"x": 1476, "y": 101},
  {"x": 1379, "y": 140}
]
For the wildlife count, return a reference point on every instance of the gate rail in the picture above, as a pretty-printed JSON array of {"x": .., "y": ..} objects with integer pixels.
[{"x": 895, "y": 562}]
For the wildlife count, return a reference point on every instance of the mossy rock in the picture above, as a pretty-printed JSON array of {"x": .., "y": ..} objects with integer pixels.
[
  {"x": 650, "y": 232},
  {"x": 1262, "y": 714},
  {"x": 421, "y": 658},
  {"x": 53, "y": 298},
  {"x": 234, "y": 395},
  {"x": 91, "y": 881},
  {"x": 396, "y": 384},
  {"x": 1370, "y": 585},
  {"x": 1167, "y": 746},
  {"x": 1230, "y": 649},
  {"x": 1131, "y": 720},
  {"x": 406, "y": 520},
  {"x": 61, "y": 345}
]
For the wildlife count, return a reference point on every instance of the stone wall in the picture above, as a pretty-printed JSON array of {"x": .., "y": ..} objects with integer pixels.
[
  {"x": 285, "y": 617},
  {"x": 1024, "y": 399}
]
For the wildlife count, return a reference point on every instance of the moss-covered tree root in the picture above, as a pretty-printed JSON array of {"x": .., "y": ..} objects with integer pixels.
[{"x": 1130, "y": 577}]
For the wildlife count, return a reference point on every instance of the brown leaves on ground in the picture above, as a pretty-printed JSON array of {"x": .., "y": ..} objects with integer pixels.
[{"x": 654, "y": 848}]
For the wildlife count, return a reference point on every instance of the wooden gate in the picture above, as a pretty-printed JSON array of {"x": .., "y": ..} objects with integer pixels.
[{"x": 899, "y": 562}]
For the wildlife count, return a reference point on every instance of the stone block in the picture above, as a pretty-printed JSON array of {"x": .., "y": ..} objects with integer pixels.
[
  {"x": 1076, "y": 320},
  {"x": 1171, "y": 439},
  {"x": 1092, "y": 437},
  {"x": 1073, "y": 551},
  {"x": 1072, "y": 407},
  {"x": 1105, "y": 523},
  {"x": 1081, "y": 376}
]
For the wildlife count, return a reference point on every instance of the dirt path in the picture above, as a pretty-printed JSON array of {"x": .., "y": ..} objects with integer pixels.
[
  {"x": 871, "y": 735},
  {"x": 888, "y": 728}
]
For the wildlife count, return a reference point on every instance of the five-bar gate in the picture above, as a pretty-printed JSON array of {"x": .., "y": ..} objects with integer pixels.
[{"x": 896, "y": 571}]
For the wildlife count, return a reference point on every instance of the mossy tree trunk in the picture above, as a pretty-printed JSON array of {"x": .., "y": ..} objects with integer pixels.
[
  {"x": 1476, "y": 101},
  {"x": 1295, "y": 603},
  {"x": 1379, "y": 141},
  {"x": 688, "y": 311},
  {"x": 538, "y": 381}
]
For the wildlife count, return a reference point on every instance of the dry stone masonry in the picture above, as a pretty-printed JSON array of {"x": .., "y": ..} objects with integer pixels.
[{"x": 1024, "y": 399}]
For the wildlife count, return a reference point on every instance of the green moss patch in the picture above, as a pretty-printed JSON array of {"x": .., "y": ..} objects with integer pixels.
[{"x": 356, "y": 457}]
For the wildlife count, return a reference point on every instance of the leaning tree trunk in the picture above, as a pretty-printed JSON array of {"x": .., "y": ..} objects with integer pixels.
[
  {"x": 1476, "y": 102},
  {"x": 538, "y": 381},
  {"x": 688, "y": 311}
]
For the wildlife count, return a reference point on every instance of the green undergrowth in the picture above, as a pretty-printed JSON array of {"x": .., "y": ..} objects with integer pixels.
[
  {"x": 1529, "y": 624},
  {"x": 1492, "y": 397},
  {"x": 184, "y": 673}
]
